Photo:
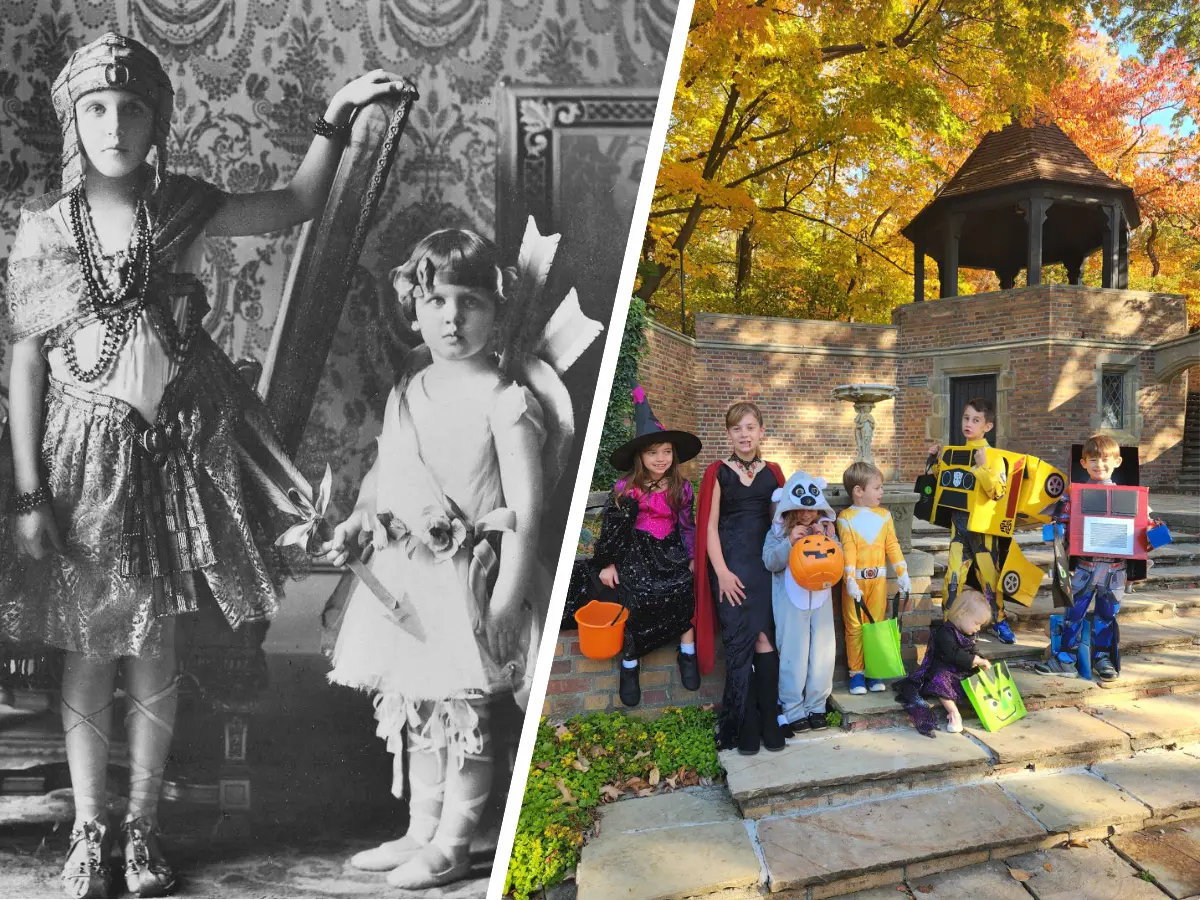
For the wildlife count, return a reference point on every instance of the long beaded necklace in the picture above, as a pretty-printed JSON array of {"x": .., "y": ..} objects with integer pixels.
[
  {"x": 118, "y": 297},
  {"x": 117, "y": 308}
]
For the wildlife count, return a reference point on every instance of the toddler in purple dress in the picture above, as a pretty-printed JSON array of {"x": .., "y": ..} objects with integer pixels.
[{"x": 951, "y": 657}]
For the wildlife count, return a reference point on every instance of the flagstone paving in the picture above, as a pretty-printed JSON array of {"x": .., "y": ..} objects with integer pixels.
[
  {"x": 880, "y": 835},
  {"x": 1166, "y": 782},
  {"x": 1069, "y": 802},
  {"x": 847, "y": 759},
  {"x": 670, "y": 846},
  {"x": 1171, "y": 854},
  {"x": 1052, "y": 733},
  {"x": 1156, "y": 721}
]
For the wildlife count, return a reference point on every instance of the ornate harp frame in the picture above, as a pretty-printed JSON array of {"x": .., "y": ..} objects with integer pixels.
[{"x": 318, "y": 281}]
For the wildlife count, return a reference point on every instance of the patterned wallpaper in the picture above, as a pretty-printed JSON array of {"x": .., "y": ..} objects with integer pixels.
[{"x": 250, "y": 75}]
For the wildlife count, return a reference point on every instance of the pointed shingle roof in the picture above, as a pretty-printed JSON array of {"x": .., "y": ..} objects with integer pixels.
[
  {"x": 1024, "y": 155},
  {"x": 1017, "y": 153}
]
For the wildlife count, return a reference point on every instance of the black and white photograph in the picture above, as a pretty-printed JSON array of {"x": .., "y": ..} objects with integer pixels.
[{"x": 303, "y": 306}]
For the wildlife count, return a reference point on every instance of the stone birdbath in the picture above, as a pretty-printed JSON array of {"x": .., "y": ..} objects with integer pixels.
[{"x": 864, "y": 397}]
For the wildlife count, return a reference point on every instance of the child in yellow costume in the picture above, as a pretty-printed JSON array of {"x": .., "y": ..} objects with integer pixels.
[
  {"x": 969, "y": 548},
  {"x": 869, "y": 543}
]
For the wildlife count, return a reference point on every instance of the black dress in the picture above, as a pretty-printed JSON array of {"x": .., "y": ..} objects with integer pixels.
[
  {"x": 655, "y": 578},
  {"x": 742, "y": 526}
]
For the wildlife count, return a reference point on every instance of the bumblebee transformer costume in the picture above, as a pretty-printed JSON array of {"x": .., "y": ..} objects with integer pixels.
[{"x": 983, "y": 506}]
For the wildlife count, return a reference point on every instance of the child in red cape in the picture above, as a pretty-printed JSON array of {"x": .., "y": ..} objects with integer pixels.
[{"x": 734, "y": 587}]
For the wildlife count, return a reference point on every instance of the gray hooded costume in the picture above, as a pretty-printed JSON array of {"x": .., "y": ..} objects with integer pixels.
[{"x": 804, "y": 630}]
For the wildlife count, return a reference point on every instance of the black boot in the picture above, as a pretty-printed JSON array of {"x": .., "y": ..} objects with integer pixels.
[
  {"x": 751, "y": 728},
  {"x": 766, "y": 676},
  {"x": 689, "y": 671},
  {"x": 631, "y": 686}
]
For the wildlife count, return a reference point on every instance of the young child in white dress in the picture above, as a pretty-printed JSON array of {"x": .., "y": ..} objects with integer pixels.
[{"x": 452, "y": 507}]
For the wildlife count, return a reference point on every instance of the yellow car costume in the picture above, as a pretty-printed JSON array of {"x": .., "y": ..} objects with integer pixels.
[
  {"x": 869, "y": 543},
  {"x": 983, "y": 505}
]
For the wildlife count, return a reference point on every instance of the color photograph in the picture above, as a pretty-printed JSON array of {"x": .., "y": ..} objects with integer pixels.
[
  {"x": 303, "y": 308},
  {"x": 886, "y": 584}
]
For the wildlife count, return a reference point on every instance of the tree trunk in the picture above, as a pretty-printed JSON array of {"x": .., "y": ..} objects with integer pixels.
[{"x": 745, "y": 259}]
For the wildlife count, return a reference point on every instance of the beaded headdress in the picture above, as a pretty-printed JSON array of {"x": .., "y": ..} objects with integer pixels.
[{"x": 115, "y": 62}]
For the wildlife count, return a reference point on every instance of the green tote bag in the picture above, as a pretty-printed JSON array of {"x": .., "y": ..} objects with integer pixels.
[
  {"x": 995, "y": 697},
  {"x": 881, "y": 643}
]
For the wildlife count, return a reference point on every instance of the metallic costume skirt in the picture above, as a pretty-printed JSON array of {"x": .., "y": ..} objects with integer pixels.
[{"x": 145, "y": 511}]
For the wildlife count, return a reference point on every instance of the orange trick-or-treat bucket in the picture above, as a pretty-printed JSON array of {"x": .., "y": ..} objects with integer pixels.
[{"x": 601, "y": 629}]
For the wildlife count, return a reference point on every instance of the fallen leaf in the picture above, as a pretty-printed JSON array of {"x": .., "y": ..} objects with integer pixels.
[
  {"x": 672, "y": 781},
  {"x": 645, "y": 792},
  {"x": 580, "y": 763},
  {"x": 567, "y": 796},
  {"x": 561, "y": 731},
  {"x": 1048, "y": 867},
  {"x": 543, "y": 765},
  {"x": 655, "y": 777},
  {"x": 925, "y": 888},
  {"x": 641, "y": 754},
  {"x": 610, "y": 792},
  {"x": 1019, "y": 874}
]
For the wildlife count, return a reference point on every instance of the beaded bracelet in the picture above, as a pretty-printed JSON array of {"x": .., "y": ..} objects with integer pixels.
[
  {"x": 340, "y": 133},
  {"x": 25, "y": 503}
]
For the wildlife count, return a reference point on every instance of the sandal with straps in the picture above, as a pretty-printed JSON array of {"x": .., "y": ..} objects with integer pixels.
[
  {"x": 147, "y": 873},
  {"x": 86, "y": 872}
]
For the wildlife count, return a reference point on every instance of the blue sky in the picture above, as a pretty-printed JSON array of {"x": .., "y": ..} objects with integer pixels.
[{"x": 1163, "y": 119}]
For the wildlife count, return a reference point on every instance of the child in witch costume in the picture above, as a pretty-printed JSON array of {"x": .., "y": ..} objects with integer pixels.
[
  {"x": 473, "y": 432},
  {"x": 951, "y": 657},
  {"x": 129, "y": 497},
  {"x": 804, "y": 629},
  {"x": 644, "y": 557},
  {"x": 734, "y": 516}
]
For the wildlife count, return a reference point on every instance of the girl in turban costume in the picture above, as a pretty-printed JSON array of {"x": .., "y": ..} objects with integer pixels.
[{"x": 128, "y": 496}]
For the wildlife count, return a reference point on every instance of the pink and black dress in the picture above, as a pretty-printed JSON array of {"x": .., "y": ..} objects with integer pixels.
[{"x": 652, "y": 546}]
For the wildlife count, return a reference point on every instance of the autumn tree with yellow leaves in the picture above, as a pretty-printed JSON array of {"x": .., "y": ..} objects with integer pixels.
[{"x": 805, "y": 135}]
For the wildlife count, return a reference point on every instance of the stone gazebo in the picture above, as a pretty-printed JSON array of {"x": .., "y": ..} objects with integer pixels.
[{"x": 1026, "y": 197}]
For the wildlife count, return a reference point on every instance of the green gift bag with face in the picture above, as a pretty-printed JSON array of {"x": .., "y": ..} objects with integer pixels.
[{"x": 995, "y": 697}]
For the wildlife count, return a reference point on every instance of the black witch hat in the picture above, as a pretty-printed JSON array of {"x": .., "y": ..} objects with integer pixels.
[{"x": 650, "y": 431}]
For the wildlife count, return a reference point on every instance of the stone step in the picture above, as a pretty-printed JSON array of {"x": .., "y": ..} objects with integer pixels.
[
  {"x": 693, "y": 843},
  {"x": 1137, "y": 635},
  {"x": 1158, "y": 578},
  {"x": 836, "y": 851},
  {"x": 1141, "y": 604},
  {"x": 1158, "y": 669},
  {"x": 837, "y": 767},
  {"x": 685, "y": 844},
  {"x": 840, "y": 768},
  {"x": 830, "y": 852},
  {"x": 1153, "y": 722}
]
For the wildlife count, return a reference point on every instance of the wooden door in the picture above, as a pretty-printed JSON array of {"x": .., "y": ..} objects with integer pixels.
[{"x": 962, "y": 391}]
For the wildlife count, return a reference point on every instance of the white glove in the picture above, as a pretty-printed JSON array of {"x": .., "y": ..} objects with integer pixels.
[
  {"x": 904, "y": 583},
  {"x": 853, "y": 589}
]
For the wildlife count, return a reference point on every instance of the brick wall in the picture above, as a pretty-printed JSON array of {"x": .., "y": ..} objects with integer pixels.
[
  {"x": 789, "y": 368},
  {"x": 1045, "y": 344},
  {"x": 667, "y": 372},
  {"x": 578, "y": 684}
]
